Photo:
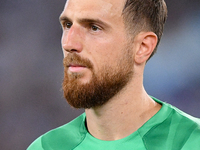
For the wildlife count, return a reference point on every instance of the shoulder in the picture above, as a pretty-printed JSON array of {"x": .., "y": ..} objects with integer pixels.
[
  {"x": 178, "y": 116},
  {"x": 173, "y": 129},
  {"x": 188, "y": 130},
  {"x": 183, "y": 129},
  {"x": 184, "y": 118},
  {"x": 68, "y": 135}
]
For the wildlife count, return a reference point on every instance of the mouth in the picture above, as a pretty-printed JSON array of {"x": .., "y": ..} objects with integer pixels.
[{"x": 76, "y": 67}]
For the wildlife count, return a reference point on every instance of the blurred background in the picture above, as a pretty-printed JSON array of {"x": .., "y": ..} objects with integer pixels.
[{"x": 31, "y": 71}]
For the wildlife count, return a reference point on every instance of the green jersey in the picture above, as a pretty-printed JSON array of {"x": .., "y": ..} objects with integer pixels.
[{"x": 168, "y": 129}]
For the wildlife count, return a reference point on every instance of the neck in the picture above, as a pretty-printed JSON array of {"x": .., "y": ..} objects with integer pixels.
[{"x": 122, "y": 115}]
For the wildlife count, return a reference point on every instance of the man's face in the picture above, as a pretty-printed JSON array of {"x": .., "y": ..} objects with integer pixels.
[{"x": 98, "y": 59}]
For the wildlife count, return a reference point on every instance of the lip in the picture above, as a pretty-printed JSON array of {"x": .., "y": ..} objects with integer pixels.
[{"x": 76, "y": 67}]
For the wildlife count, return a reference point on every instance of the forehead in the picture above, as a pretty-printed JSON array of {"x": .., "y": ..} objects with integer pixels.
[{"x": 94, "y": 8}]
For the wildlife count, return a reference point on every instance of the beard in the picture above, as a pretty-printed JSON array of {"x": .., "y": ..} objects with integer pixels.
[{"x": 102, "y": 86}]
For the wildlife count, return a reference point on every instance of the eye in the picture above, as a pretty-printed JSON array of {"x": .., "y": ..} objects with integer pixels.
[
  {"x": 94, "y": 28},
  {"x": 67, "y": 25}
]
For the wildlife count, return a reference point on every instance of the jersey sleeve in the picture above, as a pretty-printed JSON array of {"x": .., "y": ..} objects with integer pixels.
[
  {"x": 36, "y": 145},
  {"x": 193, "y": 143}
]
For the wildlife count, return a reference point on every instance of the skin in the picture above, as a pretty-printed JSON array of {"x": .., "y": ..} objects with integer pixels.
[{"x": 95, "y": 30}]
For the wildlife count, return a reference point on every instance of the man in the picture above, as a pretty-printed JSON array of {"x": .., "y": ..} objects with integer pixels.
[{"x": 106, "y": 45}]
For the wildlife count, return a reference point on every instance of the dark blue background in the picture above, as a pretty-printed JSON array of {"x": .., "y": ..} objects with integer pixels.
[{"x": 31, "y": 71}]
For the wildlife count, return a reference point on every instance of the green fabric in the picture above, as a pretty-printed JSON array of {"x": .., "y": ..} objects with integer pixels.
[{"x": 169, "y": 129}]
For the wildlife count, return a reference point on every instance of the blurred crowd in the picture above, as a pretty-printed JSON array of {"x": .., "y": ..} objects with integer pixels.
[{"x": 31, "y": 71}]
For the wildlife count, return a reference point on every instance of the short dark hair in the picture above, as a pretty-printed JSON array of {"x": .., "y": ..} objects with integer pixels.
[{"x": 145, "y": 15}]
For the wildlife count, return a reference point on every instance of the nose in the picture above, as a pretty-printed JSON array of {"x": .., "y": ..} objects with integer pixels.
[{"x": 71, "y": 40}]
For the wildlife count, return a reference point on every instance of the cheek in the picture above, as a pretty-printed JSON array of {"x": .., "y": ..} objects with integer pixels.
[
  {"x": 64, "y": 52},
  {"x": 62, "y": 42},
  {"x": 63, "y": 37},
  {"x": 107, "y": 53},
  {"x": 106, "y": 61}
]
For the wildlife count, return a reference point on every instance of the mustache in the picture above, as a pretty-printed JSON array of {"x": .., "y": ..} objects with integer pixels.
[{"x": 75, "y": 59}]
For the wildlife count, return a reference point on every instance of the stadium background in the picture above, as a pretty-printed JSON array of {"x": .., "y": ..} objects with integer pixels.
[{"x": 31, "y": 71}]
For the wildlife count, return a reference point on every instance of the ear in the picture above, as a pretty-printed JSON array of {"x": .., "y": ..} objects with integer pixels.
[{"x": 147, "y": 42}]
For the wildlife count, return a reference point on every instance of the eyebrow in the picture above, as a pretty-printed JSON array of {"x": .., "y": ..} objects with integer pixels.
[
  {"x": 63, "y": 18},
  {"x": 90, "y": 20},
  {"x": 85, "y": 20}
]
